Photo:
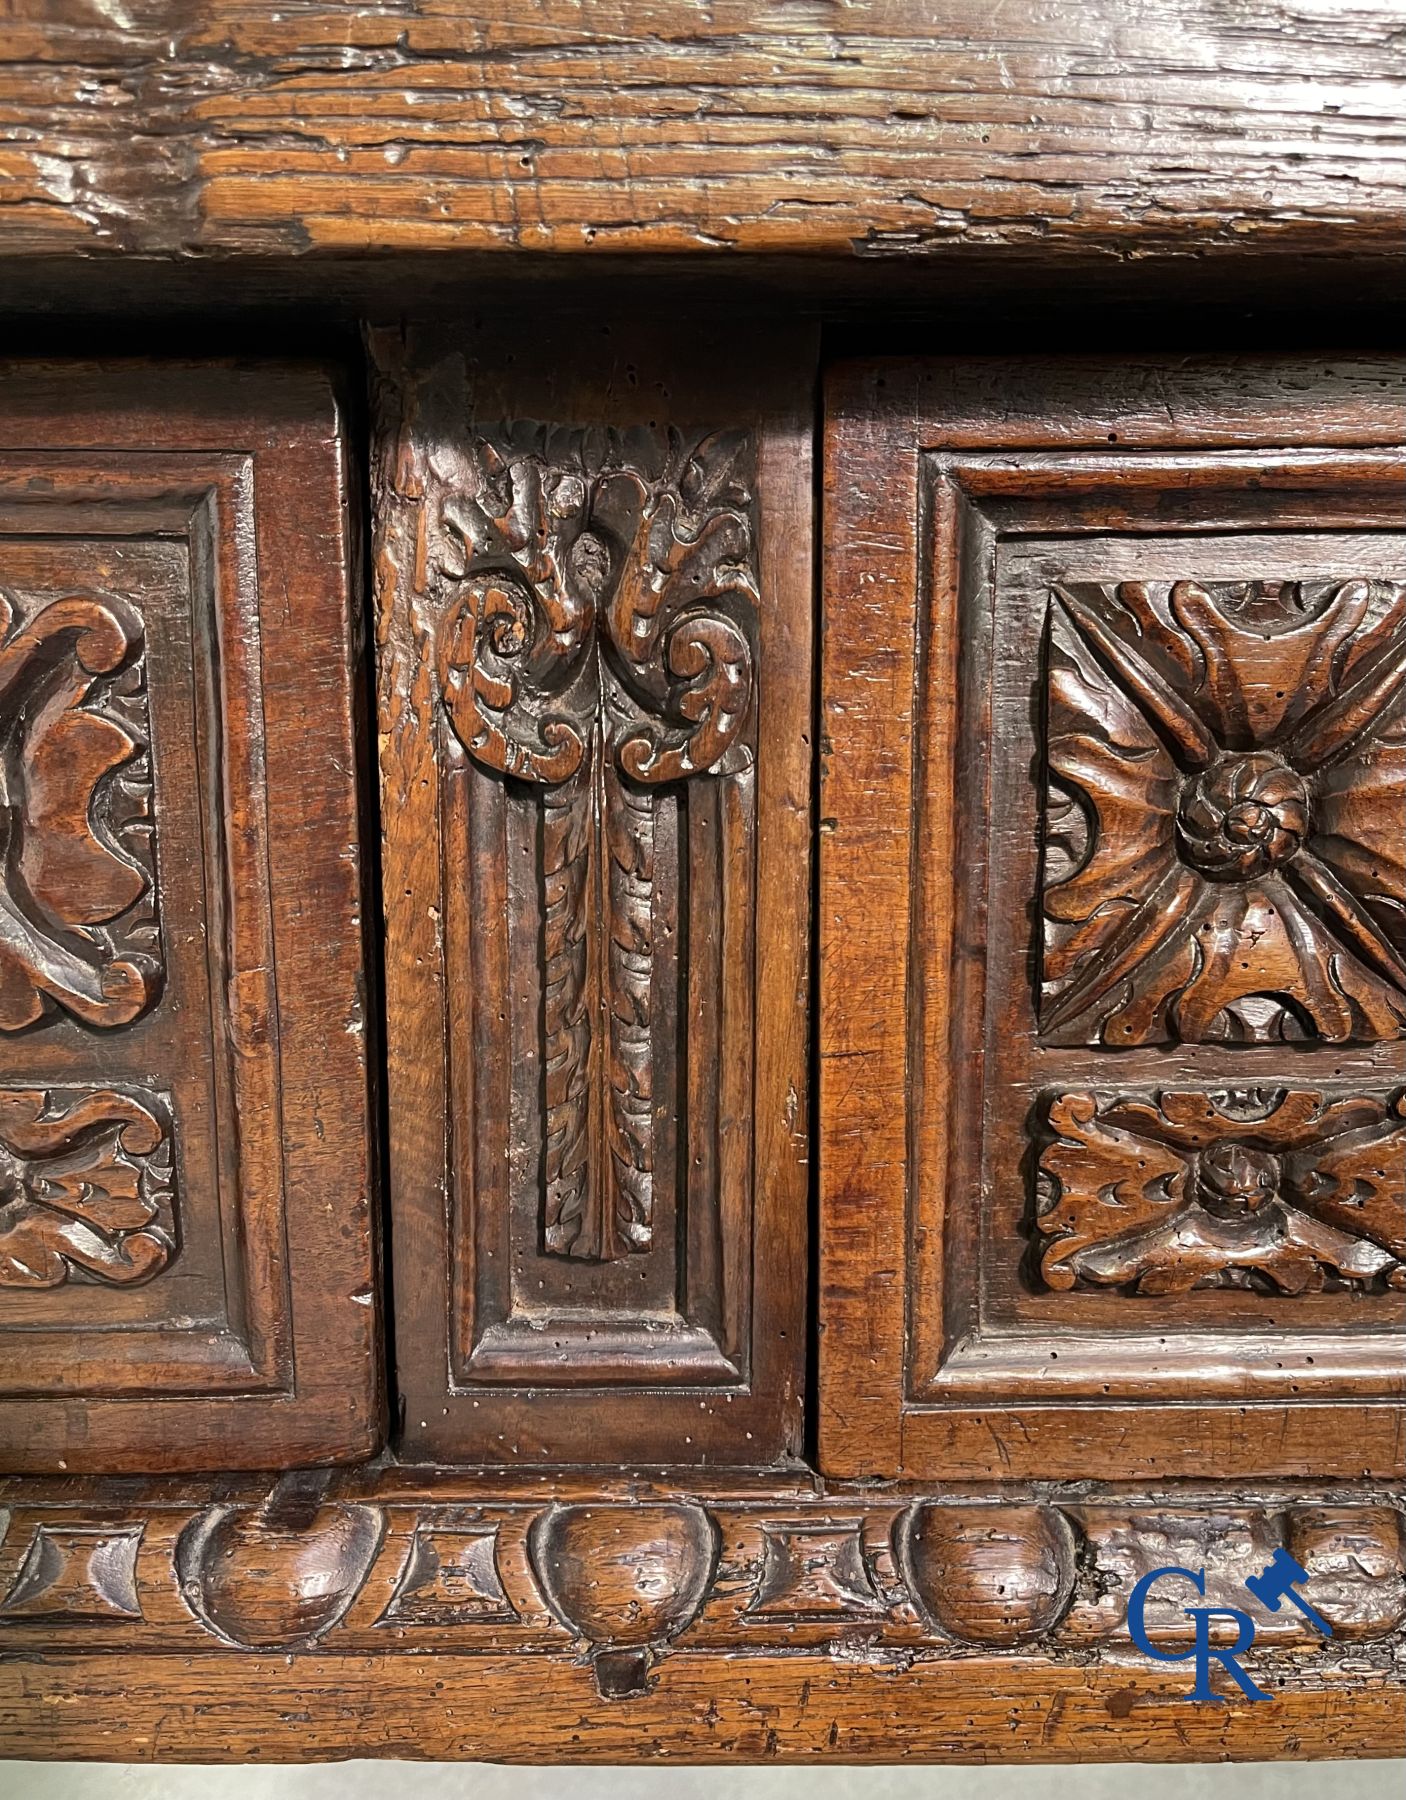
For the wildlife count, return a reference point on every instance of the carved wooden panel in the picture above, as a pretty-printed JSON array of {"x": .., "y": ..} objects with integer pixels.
[
  {"x": 593, "y": 661},
  {"x": 1225, "y": 791},
  {"x": 670, "y": 1604},
  {"x": 598, "y": 647},
  {"x": 1273, "y": 1190},
  {"x": 1142, "y": 1155},
  {"x": 78, "y": 902},
  {"x": 87, "y": 1187},
  {"x": 185, "y": 1254}
]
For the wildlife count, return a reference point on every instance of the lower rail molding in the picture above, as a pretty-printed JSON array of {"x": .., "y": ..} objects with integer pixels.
[{"x": 427, "y": 1613}]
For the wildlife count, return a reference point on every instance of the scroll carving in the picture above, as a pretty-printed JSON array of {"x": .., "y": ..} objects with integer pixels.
[
  {"x": 77, "y": 899},
  {"x": 1225, "y": 813},
  {"x": 1278, "y": 1190},
  {"x": 596, "y": 645},
  {"x": 85, "y": 1187}
]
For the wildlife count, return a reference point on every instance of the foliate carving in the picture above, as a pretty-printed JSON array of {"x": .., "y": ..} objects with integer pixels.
[
  {"x": 77, "y": 896},
  {"x": 85, "y": 1187},
  {"x": 598, "y": 944},
  {"x": 596, "y": 643},
  {"x": 1280, "y": 1190},
  {"x": 1225, "y": 813}
]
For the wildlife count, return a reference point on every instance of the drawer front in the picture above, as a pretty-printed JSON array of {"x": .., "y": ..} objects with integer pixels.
[
  {"x": 1125, "y": 1100},
  {"x": 594, "y": 711},
  {"x": 185, "y": 1231}
]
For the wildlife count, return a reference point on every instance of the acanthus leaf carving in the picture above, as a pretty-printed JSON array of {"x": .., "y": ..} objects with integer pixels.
[
  {"x": 77, "y": 924},
  {"x": 1225, "y": 813},
  {"x": 596, "y": 645},
  {"x": 85, "y": 1187},
  {"x": 1282, "y": 1190}
]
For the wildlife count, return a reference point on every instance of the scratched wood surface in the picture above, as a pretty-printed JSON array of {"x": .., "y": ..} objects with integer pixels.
[
  {"x": 428, "y": 1613},
  {"x": 237, "y": 1708},
  {"x": 962, "y": 1142},
  {"x": 883, "y": 128}
]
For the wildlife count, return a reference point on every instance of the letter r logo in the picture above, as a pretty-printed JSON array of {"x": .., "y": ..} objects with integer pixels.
[{"x": 1202, "y": 1649}]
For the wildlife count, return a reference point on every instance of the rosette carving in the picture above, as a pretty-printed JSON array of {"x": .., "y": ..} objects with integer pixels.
[
  {"x": 1276, "y": 1190},
  {"x": 1225, "y": 814},
  {"x": 596, "y": 644}
]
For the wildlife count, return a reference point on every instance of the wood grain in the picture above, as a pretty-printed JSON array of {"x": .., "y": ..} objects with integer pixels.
[
  {"x": 972, "y": 783},
  {"x": 876, "y": 130},
  {"x": 592, "y": 553},
  {"x": 404, "y": 1612},
  {"x": 188, "y": 1201},
  {"x": 246, "y": 1708}
]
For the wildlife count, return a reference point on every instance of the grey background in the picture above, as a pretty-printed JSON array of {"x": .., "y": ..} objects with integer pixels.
[{"x": 437, "y": 1781}]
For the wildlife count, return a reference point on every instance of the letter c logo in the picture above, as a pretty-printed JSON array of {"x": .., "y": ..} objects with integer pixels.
[{"x": 1137, "y": 1603}]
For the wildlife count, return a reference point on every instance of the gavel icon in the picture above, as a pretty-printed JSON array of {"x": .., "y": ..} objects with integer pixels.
[{"x": 1275, "y": 1584}]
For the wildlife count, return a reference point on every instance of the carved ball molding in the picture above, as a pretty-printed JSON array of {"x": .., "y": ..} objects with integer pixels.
[
  {"x": 1225, "y": 813},
  {"x": 616, "y": 1582}
]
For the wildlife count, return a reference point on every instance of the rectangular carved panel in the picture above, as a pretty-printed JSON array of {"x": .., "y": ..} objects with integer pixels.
[
  {"x": 1272, "y": 1190},
  {"x": 88, "y": 1187},
  {"x": 1145, "y": 827},
  {"x": 594, "y": 655},
  {"x": 185, "y": 1232}
]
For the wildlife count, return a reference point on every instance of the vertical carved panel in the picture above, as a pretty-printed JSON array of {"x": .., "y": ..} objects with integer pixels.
[
  {"x": 594, "y": 686},
  {"x": 598, "y": 646},
  {"x": 77, "y": 899},
  {"x": 185, "y": 1235}
]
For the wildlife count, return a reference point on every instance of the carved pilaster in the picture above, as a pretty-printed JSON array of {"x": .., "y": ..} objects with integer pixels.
[
  {"x": 596, "y": 644},
  {"x": 594, "y": 665}
]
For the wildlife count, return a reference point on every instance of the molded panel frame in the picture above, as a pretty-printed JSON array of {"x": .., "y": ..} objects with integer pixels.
[
  {"x": 506, "y": 1353},
  {"x": 930, "y": 468},
  {"x": 263, "y": 1344}
]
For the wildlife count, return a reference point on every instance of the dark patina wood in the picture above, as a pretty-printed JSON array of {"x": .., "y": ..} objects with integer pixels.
[
  {"x": 593, "y": 566},
  {"x": 712, "y": 1618},
  {"x": 880, "y": 130},
  {"x": 187, "y": 1275},
  {"x": 1090, "y": 1161},
  {"x": 1115, "y": 803}
]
